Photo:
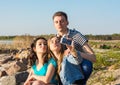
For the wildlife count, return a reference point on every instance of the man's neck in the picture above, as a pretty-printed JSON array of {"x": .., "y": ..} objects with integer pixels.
[{"x": 63, "y": 32}]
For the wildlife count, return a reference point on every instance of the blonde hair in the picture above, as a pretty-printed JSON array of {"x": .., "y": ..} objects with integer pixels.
[{"x": 61, "y": 53}]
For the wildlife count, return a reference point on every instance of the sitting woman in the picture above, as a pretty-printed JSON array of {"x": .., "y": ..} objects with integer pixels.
[
  {"x": 68, "y": 64},
  {"x": 43, "y": 69}
]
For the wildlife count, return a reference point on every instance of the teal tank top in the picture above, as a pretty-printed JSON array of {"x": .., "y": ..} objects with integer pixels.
[{"x": 42, "y": 71}]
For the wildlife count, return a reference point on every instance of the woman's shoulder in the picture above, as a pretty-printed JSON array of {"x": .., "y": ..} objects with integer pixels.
[
  {"x": 52, "y": 61},
  {"x": 34, "y": 66}
]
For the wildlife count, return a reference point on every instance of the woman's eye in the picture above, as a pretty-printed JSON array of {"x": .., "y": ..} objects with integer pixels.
[
  {"x": 40, "y": 44},
  {"x": 45, "y": 43}
]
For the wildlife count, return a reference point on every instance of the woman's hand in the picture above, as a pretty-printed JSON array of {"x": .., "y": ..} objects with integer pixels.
[{"x": 29, "y": 80}]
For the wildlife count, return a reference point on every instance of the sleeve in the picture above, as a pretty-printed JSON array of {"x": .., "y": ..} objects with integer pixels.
[
  {"x": 79, "y": 58},
  {"x": 79, "y": 39},
  {"x": 53, "y": 62},
  {"x": 34, "y": 66},
  {"x": 74, "y": 60}
]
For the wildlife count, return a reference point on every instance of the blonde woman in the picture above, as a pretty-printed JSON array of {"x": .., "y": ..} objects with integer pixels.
[{"x": 68, "y": 62}]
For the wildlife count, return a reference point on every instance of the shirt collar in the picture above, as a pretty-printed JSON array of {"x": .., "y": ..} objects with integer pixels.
[{"x": 66, "y": 34}]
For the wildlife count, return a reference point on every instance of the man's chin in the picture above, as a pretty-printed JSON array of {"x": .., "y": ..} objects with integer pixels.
[{"x": 60, "y": 29}]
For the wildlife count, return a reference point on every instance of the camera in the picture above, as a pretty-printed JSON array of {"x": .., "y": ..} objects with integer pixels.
[{"x": 65, "y": 41}]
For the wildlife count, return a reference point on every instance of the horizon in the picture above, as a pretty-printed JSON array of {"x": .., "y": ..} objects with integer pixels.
[
  {"x": 101, "y": 17},
  {"x": 51, "y": 34}
]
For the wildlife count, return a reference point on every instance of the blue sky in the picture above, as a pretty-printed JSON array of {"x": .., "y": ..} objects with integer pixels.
[{"x": 34, "y": 17}]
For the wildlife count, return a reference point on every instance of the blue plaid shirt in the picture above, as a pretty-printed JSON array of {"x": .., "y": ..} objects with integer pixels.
[
  {"x": 69, "y": 72},
  {"x": 78, "y": 38}
]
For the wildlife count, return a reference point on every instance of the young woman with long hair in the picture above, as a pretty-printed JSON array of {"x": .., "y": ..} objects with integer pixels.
[{"x": 68, "y": 61}]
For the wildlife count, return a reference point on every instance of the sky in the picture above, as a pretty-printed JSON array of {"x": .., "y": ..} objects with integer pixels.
[{"x": 34, "y": 17}]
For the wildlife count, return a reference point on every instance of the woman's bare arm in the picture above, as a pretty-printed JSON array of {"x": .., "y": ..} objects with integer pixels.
[
  {"x": 47, "y": 78},
  {"x": 28, "y": 78}
]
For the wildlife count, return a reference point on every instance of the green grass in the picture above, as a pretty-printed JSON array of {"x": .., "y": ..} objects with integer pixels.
[{"x": 106, "y": 59}]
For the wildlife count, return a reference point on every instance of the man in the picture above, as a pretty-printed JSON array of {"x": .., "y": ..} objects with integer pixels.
[{"x": 61, "y": 22}]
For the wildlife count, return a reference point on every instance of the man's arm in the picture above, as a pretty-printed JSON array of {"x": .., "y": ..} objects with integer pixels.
[{"x": 88, "y": 53}]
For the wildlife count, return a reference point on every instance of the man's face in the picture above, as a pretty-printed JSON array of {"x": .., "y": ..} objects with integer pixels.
[{"x": 60, "y": 23}]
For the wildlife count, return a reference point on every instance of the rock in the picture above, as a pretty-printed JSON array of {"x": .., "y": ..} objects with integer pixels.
[
  {"x": 16, "y": 67},
  {"x": 10, "y": 58},
  {"x": 21, "y": 77},
  {"x": 3, "y": 73},
  {"x": 18, "y": 79},
  {"x": 23, "y": 53},
  {"x": 8, "y": 80}
]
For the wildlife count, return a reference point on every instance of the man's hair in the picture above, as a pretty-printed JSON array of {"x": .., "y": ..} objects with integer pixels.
[{"x": 60, "y": 13}]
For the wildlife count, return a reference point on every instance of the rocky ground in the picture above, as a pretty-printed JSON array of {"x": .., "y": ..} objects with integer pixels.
[
  {"x": 14, "y": 71},
  {"x": 105, "y": 77}
]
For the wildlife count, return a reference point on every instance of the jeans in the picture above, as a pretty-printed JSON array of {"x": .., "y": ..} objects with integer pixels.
[
  {"x": 87, "y": 67},
  {"x": 70, "y": 70}
]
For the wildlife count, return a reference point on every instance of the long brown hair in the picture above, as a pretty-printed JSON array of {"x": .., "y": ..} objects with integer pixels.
[
  {"x": 33, "y": 57},
  {"x": 61, "y": 53}
]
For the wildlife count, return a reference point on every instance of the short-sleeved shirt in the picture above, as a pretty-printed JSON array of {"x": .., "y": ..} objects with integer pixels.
[
  {"x": 78, "y": 38},
  {"x": 42, "y": 71}
]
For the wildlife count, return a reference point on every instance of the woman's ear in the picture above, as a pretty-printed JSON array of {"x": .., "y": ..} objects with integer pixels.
[{"x": 34, "y": 49}]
